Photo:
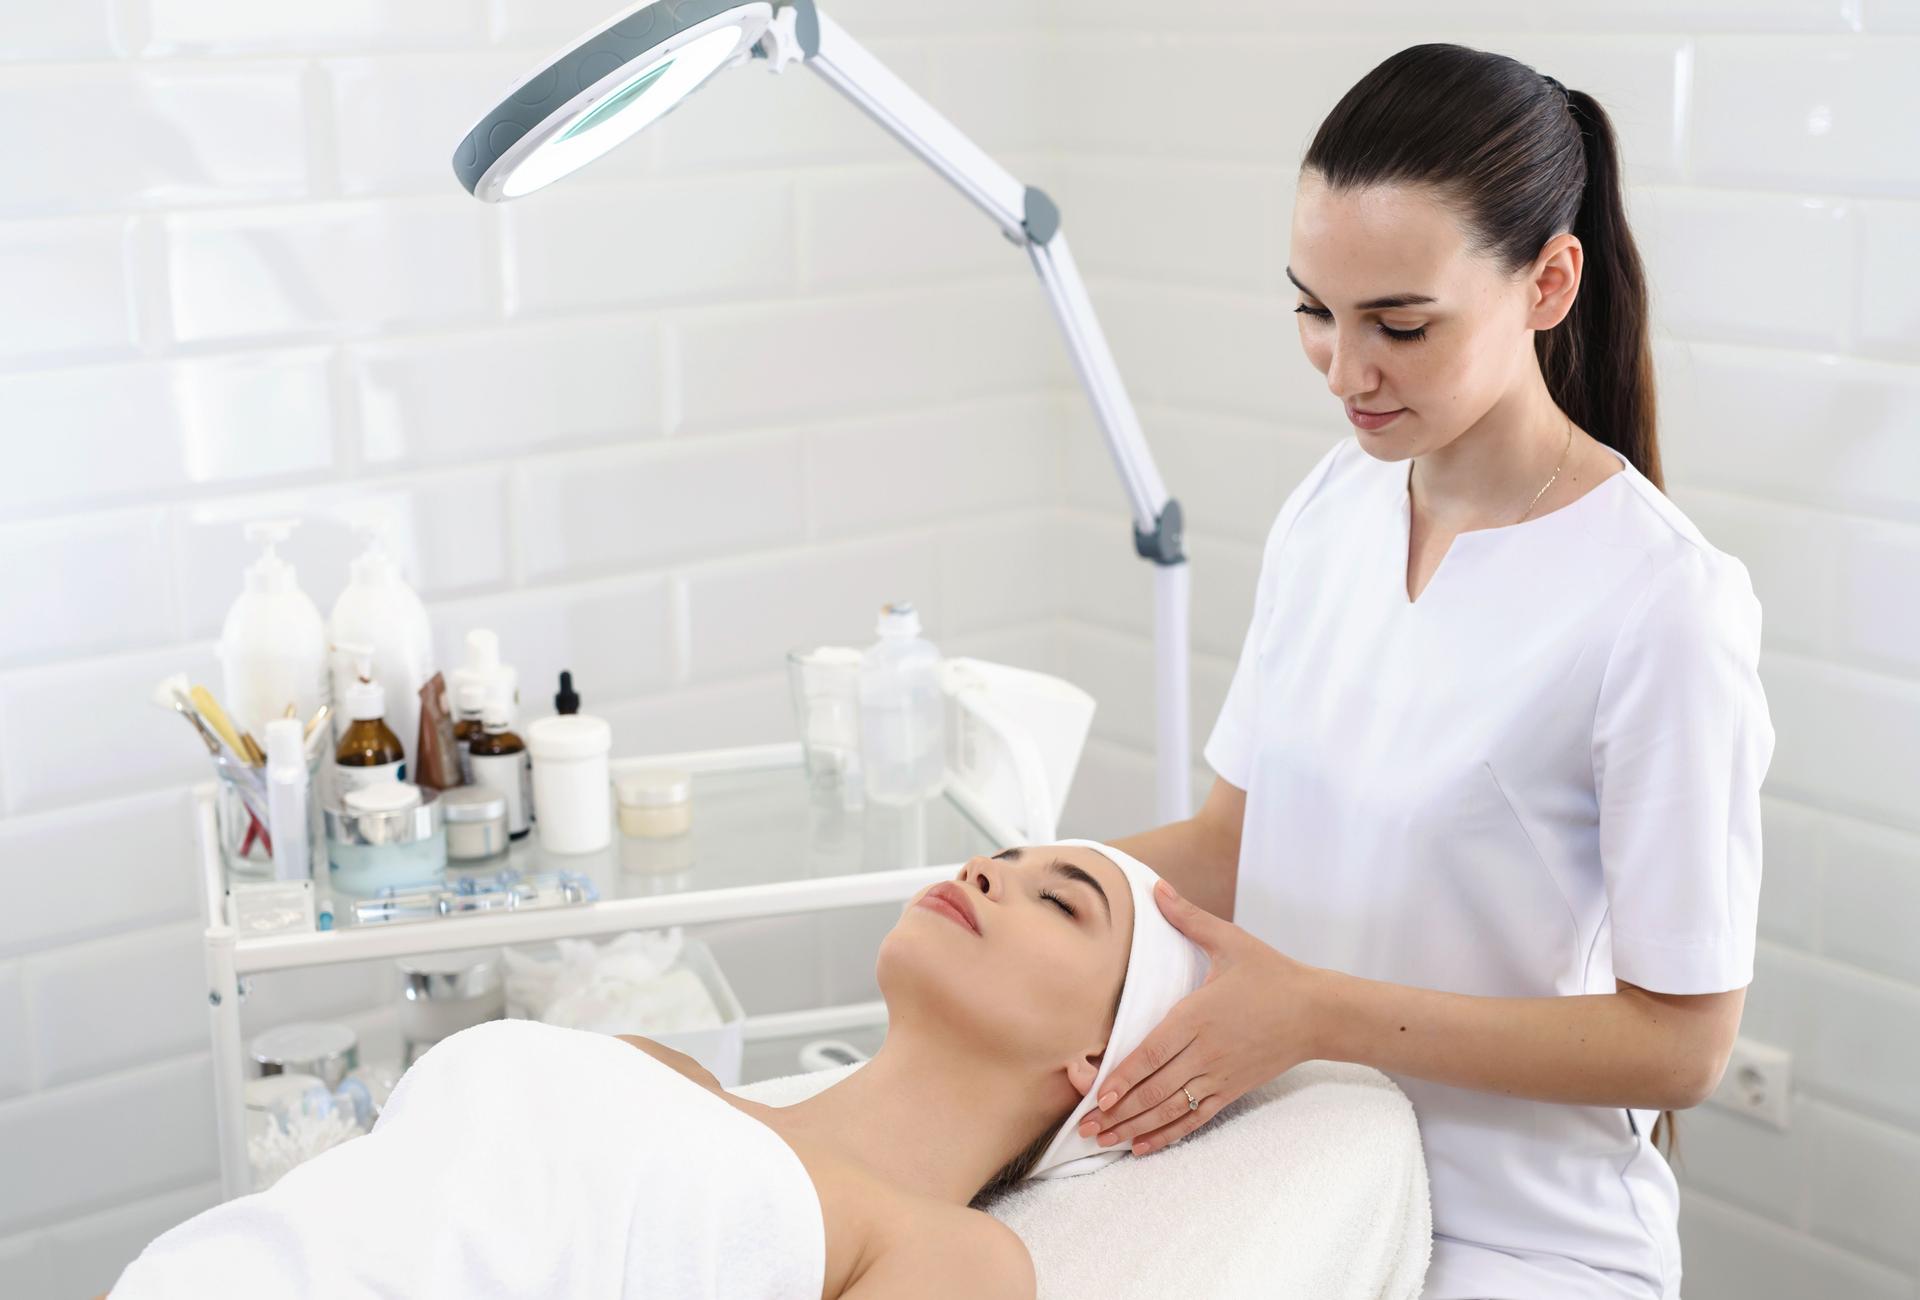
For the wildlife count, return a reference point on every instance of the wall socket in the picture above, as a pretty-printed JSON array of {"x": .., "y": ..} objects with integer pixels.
[{"x": 1758, "y": 1082}]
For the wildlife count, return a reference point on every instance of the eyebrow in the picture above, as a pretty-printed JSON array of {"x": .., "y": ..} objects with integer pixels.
[
  {"x": 1071, "y": 872},
  {"x": 1372, "y": 304}
]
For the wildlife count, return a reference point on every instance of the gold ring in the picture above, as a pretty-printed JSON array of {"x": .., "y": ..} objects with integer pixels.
[{"x": 1193, "y": 1102}]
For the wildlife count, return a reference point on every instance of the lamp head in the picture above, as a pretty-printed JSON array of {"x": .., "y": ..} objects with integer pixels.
[{"x": 608, "y": 85}]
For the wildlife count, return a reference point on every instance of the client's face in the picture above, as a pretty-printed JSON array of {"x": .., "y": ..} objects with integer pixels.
[{"x": 1037, "y": 976}]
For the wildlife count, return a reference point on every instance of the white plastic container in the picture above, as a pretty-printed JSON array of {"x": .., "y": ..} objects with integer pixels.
[
  {"x": 902, "y": 711},
  {"x": 289, "y": 796},
  {"x": 571, "y": 786},
  {"x": 720, "y": 1048},
  {"x": 378, "y": 609},
  {"x": 273, "y": 646}
]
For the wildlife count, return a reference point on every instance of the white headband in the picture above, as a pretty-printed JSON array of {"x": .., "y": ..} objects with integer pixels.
[{"x": 1163, "y": 966}]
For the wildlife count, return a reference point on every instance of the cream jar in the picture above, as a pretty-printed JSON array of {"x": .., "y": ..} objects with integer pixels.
[
  {"x": 318, "y": 1049},
  {"x": 655, "y": 803},
  {"x": 388, "y": 835},
  {"x": 442, "y": 993},
  {"x": 476, "y": 821}
]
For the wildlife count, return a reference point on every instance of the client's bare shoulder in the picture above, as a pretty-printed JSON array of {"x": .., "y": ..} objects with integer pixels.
[
  {"x": 945, "y": 1252},
  {"x": 882, "y": 1242},
  {"x": 680, "y": 1061}
]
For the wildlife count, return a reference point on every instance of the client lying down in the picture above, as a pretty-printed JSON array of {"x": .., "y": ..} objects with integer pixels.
[{"x": 523, "y": 1159}]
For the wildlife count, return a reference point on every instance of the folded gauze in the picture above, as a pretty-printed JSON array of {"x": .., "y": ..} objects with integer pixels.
[{"x": 1163, "y": 966}]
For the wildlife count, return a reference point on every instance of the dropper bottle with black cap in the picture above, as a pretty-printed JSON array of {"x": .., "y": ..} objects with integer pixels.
[{"x": 566, "y": 701}]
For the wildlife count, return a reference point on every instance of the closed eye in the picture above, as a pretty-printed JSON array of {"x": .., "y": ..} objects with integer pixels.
[
  {"x": 1403, "y": 336},
  {"x": 1058, "y": 901}
]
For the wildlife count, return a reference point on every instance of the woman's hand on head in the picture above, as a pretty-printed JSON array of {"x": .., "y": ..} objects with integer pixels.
[{"x": 1251, "y": 1021}]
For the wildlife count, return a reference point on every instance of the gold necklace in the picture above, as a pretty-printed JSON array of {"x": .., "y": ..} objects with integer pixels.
[
  {"x": 1556, "y": 473},
  {"x": 1543, "y": 487}
]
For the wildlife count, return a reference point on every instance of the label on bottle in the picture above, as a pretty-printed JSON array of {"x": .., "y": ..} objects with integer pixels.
[
  {"x": 353, "y": 778},
  {"x": 509, "y": 774}
]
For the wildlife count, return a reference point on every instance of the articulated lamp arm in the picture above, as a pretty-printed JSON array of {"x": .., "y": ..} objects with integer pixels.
[{"x": 1027, "y": 217}]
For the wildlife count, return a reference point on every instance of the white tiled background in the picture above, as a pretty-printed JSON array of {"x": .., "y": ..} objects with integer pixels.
[{"x": 237, "y": 279}]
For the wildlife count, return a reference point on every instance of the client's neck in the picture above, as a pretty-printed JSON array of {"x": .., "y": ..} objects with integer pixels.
[{"x": 930, "y": 1116}]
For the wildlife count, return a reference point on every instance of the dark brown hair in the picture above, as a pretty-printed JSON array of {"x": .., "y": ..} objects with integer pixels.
[
  {"x": 1517, "y": 159},
  {"x": 1015, "y": 1171}
]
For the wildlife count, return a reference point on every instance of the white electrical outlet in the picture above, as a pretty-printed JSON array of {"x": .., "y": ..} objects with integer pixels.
[{"x": 1758, "y": 1082}]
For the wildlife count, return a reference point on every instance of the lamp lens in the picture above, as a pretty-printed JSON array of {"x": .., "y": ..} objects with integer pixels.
[
  {"x": 642, "y": 98},
  {"x": 607, "y": 108}
]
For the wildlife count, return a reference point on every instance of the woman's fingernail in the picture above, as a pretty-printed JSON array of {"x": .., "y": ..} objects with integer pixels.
[
  {"x": 1108, "y": 1139},
  {"x": 1106, "y": 1102},
  {"x": 1088, "y": 1129},
  {"x": 1139, "y": 1148}
]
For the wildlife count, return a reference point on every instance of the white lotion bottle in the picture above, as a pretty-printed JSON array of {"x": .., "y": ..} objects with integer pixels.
[
  {"x": 273, "y": 646},
  {"x": 378, "y": 609},
  {"x": 903, "y": 713},
  {"x": 289, "y": 814}
]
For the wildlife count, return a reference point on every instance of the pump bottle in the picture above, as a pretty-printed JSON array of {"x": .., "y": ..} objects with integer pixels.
[
  {"x": 273, "y": 646},
  {"x": 369, "y": 752},
  {"x": 380, "y": 611}
]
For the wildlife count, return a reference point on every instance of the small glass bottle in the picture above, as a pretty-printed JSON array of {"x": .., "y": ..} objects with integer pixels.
[
  {"x": 368, "y": 752},
  {"x": 469, "y": 702},
  {"x": 500, "y": 760}
]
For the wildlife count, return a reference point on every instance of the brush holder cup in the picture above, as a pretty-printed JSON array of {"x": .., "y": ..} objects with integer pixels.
[{"x": 240, "y": 812}]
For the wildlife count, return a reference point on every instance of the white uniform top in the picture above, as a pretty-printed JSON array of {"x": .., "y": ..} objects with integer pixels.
[{"x": 1539, "y": 777}]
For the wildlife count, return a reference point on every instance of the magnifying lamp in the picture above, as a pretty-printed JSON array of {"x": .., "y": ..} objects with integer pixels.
[{"x": 643, "y": 61}]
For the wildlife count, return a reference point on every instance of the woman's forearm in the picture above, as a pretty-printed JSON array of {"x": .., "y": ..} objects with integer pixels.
[
  {"x": 1200, "y": 856},
  {"x": 1191, "y": 857},
  {"x": 1601, "y": 1049}
]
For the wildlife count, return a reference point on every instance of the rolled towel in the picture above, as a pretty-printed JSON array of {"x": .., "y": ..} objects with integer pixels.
[{"x": 1163, "y": 966}]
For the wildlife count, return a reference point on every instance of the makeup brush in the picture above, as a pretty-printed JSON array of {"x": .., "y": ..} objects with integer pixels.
[
  {"x": 171, "y": 694},
  {"x": 216, "y": 717},
  {"x": 320, "y": 715}
]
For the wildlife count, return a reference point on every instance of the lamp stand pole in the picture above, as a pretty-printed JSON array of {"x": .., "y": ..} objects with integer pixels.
[{"x": 1027, "y": 217}]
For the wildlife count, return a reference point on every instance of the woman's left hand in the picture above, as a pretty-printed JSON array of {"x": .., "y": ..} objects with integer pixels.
[{"x": 1250, "y": 1021}]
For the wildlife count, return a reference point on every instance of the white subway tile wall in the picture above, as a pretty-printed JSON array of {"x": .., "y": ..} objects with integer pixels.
[{"x": 759, "y": 369}]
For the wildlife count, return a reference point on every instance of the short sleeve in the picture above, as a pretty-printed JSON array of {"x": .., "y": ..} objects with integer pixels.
[
  {"x": 1229, "y": 748},
  {"x": 1682, "y": 740}
]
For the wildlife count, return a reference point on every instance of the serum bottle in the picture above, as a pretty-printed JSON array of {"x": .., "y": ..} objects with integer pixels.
[
  {"x": 369, "y": 752},
  {"x": 468, "y": 705},
  {"x": 499, "y": 760}
]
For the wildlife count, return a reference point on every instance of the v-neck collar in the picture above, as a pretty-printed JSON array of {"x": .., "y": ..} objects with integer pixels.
[{"x": 1405, "y": 513}]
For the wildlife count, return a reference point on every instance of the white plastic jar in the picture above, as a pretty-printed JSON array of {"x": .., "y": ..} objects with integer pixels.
[{"x": 572, "y": 792}]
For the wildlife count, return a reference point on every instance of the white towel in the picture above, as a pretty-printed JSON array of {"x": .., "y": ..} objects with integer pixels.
[
  {"x": 1311, "y": 1186},
  {"x": 1163, "y": 967},
  {"x": 518, "y": 1159}
]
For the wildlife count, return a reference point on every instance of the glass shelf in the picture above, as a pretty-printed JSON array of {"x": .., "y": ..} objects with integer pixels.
[
  {"x": 762, "y": 842},
  {"x": 759, "y": 826}
]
